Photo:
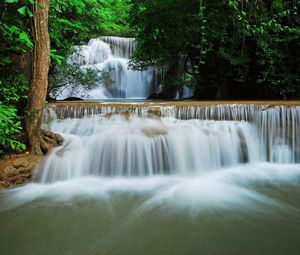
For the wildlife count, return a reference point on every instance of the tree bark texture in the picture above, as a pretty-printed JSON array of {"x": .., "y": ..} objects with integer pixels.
[{"x": 39, "y": 83}]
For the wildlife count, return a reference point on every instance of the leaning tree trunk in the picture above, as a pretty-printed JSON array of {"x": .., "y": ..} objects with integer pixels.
[{"x": 39, "y": 83}]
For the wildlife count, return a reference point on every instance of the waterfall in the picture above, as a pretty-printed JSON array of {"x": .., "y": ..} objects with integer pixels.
[
  {"x": 157, "y": 139},
  {"x": 155, "y": 172},
  {"x": 111, "y": 54}
]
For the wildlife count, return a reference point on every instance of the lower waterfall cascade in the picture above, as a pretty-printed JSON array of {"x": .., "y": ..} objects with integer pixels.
[
  {"x": 151, "y": 140},
  {"x": 159, "y": 178}
]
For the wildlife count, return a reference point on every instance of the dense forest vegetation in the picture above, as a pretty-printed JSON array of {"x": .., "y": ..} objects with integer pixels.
[
  {"x": 232, "y": 46},
  {"x": 231, "y": 49}
]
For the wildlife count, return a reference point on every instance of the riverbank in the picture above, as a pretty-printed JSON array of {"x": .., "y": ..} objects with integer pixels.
[{"x": 17, "y": 168}]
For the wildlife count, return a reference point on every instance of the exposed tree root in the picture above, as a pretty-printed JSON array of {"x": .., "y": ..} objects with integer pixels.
[{"x": 16, "y": 169}]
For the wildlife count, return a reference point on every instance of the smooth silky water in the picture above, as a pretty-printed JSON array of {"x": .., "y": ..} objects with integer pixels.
[
  {"x": 161, "y": 180},
  {"x": 111, "y": 54}
]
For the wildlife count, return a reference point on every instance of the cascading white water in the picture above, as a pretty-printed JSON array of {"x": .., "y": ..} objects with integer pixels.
[
  {"x": 132, "y": 146},
  {"x": 112, "y": 54},
  {"x": 157, "y": 173},
  {"x": 141, "y": 141}
]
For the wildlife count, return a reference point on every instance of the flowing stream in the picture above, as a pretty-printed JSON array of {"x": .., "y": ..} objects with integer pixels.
[{"x": 161, "y": 178}]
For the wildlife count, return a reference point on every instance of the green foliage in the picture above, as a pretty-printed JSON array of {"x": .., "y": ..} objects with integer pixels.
[
  {"x": 164, "y": 31},
  {"x": 14, "y": 36},
  {"x": 73, "y": 22},
  {"x": 69, "y": 74},
  {"x": 10, "y": 126},
  {"x": 237, "y": 44},
  {"x": 11, "y": 91},
  {"x": 274, "y": 30},
  {"x": 114, "y": 15},
  {"x": 14, "y": 40},
  {"x": 55, "y": 57}
]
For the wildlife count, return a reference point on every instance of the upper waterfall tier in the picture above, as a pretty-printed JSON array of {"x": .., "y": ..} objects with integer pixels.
[
  {"x": 121, "y": 47},
  {"x": 111, "y": 54}
]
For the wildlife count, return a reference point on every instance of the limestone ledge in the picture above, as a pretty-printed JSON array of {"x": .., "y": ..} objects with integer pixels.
[{"x": 159, "y": 103}]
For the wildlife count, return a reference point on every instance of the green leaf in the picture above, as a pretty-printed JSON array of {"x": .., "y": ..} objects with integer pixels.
[
  {"x": 6, "y": 59},
  {"x": 23, "y": 36},
  {"x": 29, "y": 12},
  {"x": 11, "y": 1},
  {"x": 14, "y": 29},
  {"x": 58, "y": 61},
  {"x": 22, "y": 10},
  {"x": 34, "y": 2},
  {"x": 42, "y": 7}
]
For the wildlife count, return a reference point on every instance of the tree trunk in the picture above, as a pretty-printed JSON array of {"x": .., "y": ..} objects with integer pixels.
[{"x": 39, "y": 83}]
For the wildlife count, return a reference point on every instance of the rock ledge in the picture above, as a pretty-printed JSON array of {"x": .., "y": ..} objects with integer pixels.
[{"x": 16, "y": 169}]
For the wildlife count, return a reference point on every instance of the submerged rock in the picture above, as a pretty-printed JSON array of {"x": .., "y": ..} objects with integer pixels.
[
  {"x": 243, "y": 149},
  {"x": 48, "y": 140},
  {"x": 152, "y": 132},
  {"x": 73, "y": 99},
  {"x": 124, "y": 114},
  {"x": 160, "y": 96}
]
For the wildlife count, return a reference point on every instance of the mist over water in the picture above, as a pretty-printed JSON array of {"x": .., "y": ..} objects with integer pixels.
[
  {"x": 161, "y": 180},
  {"x": 253, "y": 207}
]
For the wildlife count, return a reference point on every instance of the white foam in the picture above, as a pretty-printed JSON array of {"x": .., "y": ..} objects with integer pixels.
[{"x": 227, "y": 188}]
